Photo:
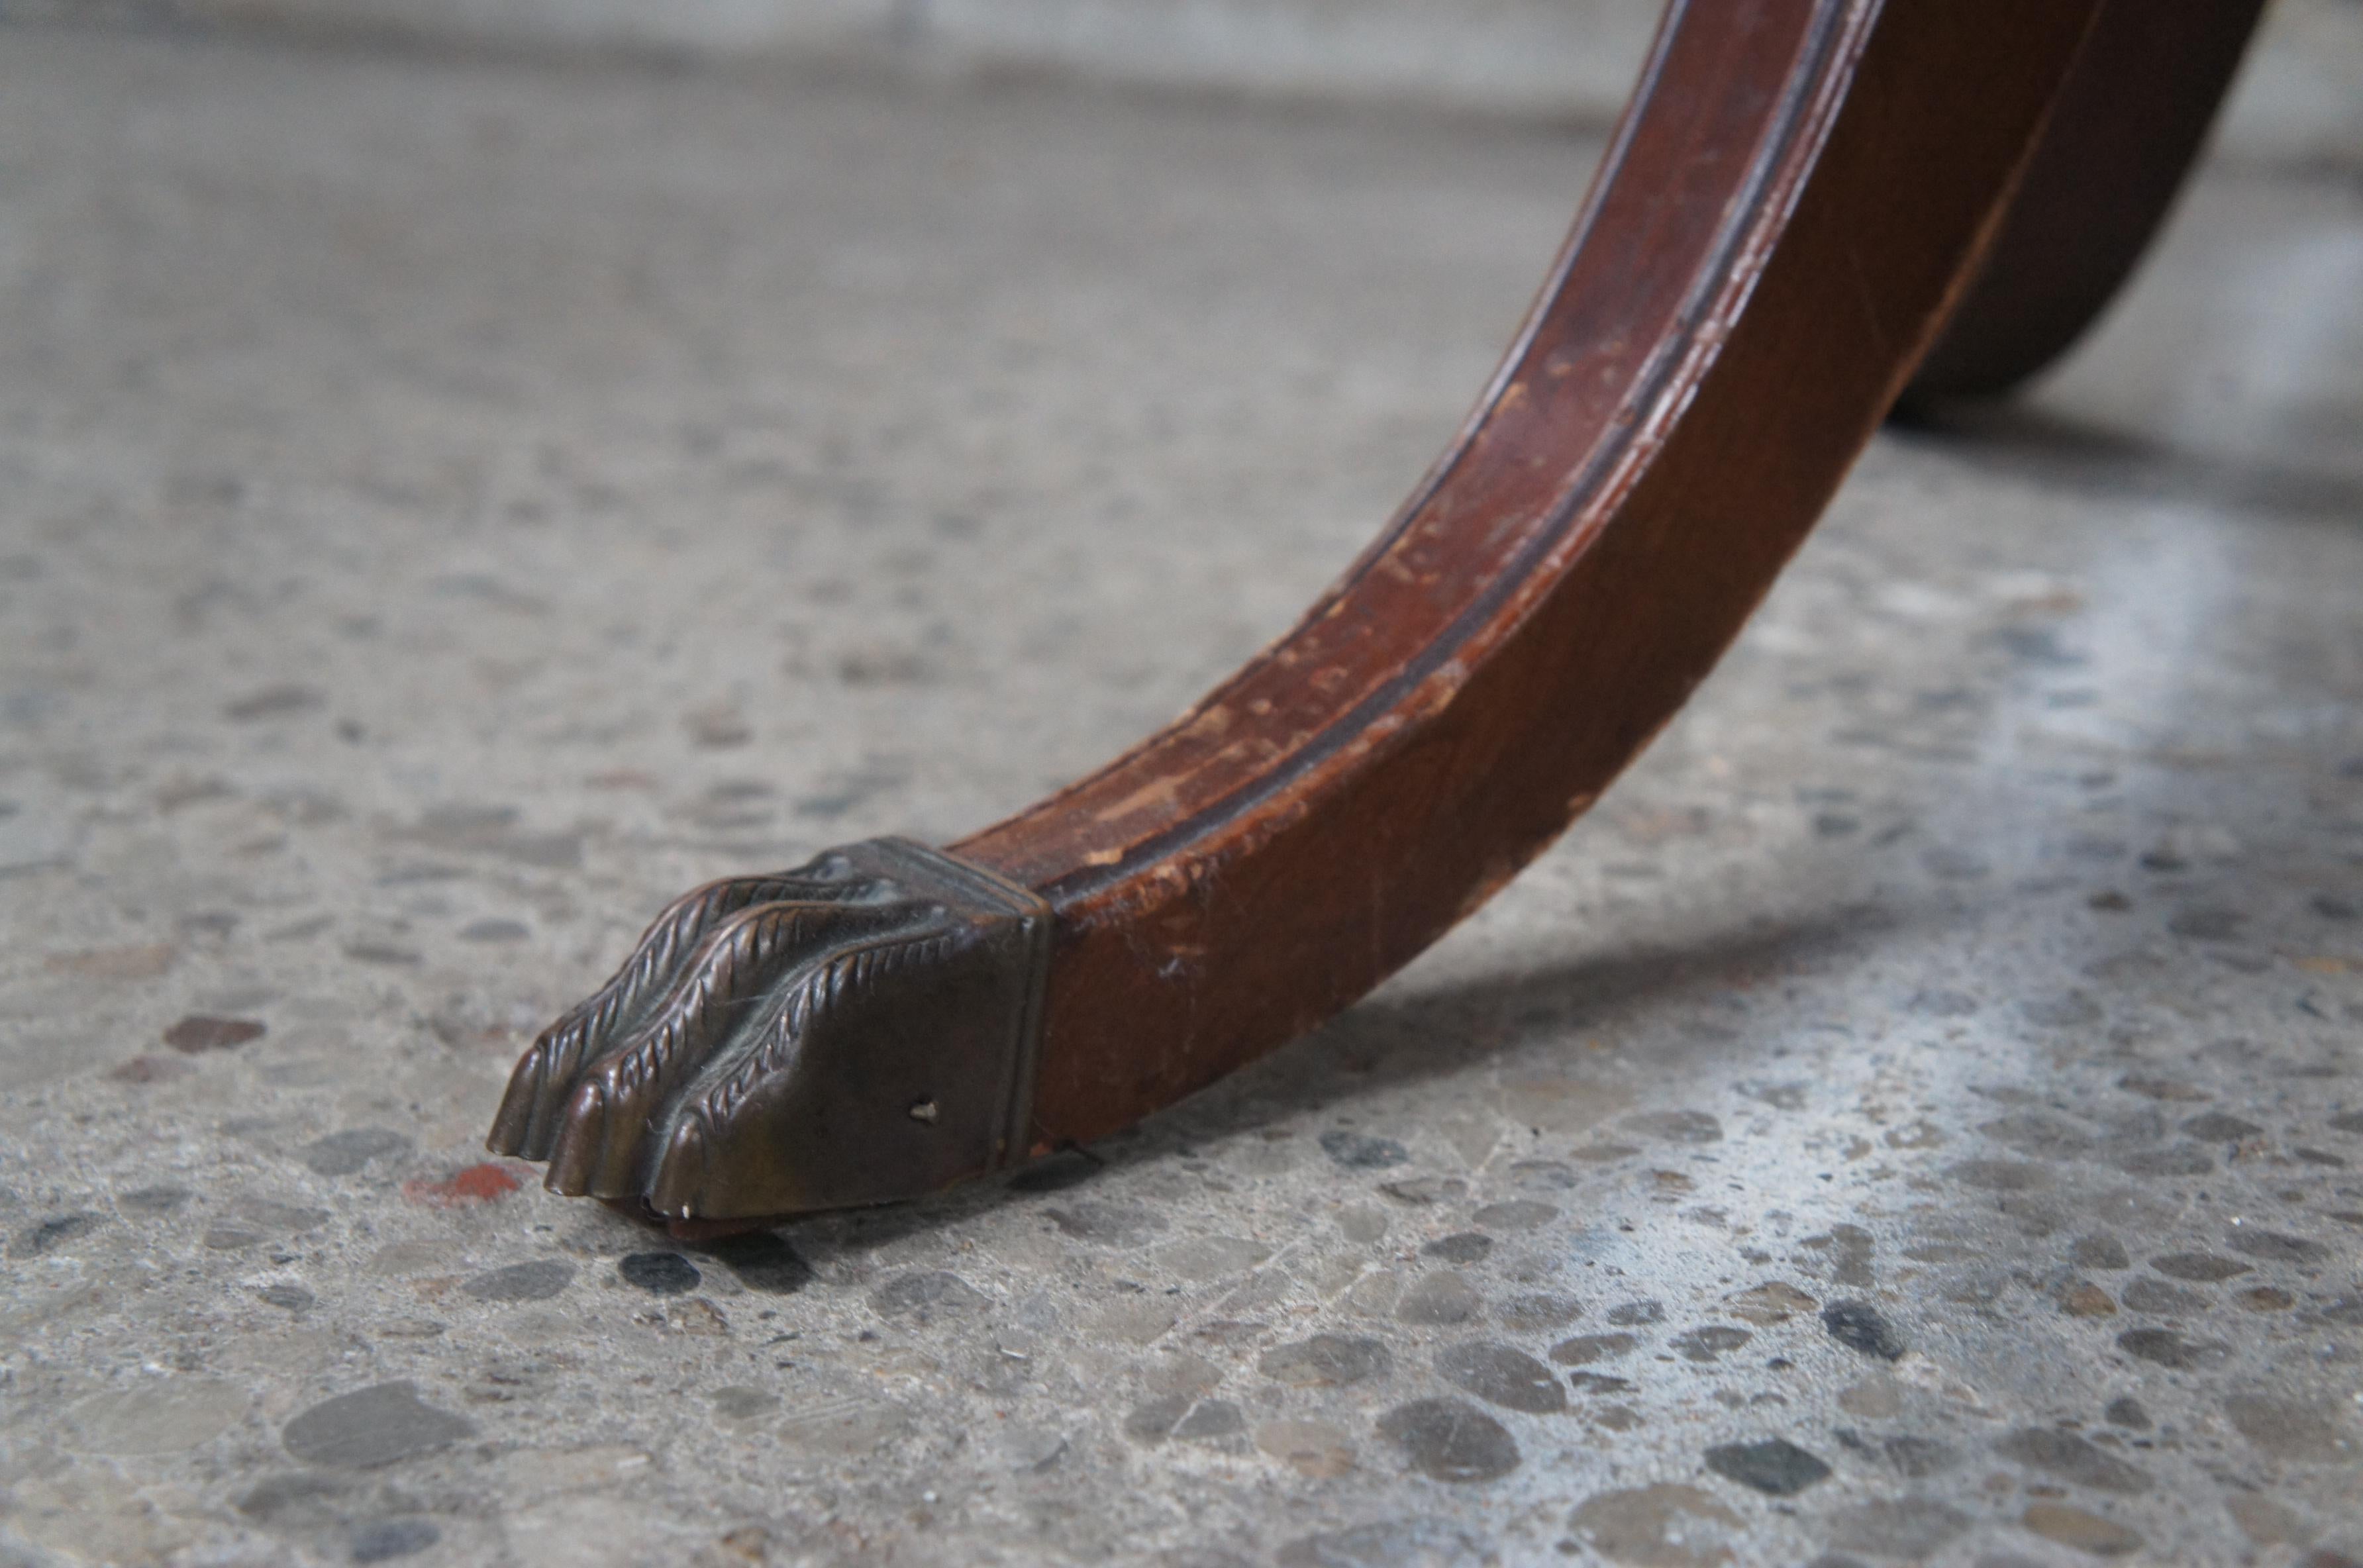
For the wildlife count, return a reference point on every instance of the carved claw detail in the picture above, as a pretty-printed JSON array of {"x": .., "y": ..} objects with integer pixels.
[{"x": 858, "y": 1030}]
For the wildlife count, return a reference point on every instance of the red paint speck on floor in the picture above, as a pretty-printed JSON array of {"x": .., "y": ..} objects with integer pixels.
[{"x": 486, "y": 1183}]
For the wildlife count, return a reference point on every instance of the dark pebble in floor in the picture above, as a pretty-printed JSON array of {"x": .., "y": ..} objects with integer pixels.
[
  {"x": 1185, "y": 1417},
  {"x": 1919, "y": 1456},
  {"x": 1596, "y": 1383},
  {"x": 389, "y": 1539},
  {"x": 2101, "y": 1252},
  {"x": 1776, "y": 1467},
  {"x": 2166, "y": 1300},
  {"x": 154, "y": 1199},
  {"x": 1705, "y": 1344},
  {"x": 2072, "y": 1459},
  {"x": 2274, "y": 1247},
  {"x": 1360, "y": 1152},
  {"x": 1467, "y": 1246},
  {"x": 1501, "y": 1376},
  {"x": 371, "y": 1425},
  {"x": 1326, "y": 1361},
  {"x": 1677, "y": 1126},
  {"x": 1518, "y": 1214},
  {"x": 54, "y": 1233},
  {"x": 536, "y": 1281},
  {"x": 1437, "y": 1300},
  {"x": 1450, "y": 1440},
  {"x": 1592, "y": 1347},
  {"x": 659, "y": 1274},
  {"x": 1537, "y": 1311},
  {"x": 1857, "y": 1326},
  {"x": 2166, "y": 1348},
  {"x": 199, "y": 1033},
  {"x": 1211, "y": 1419}
]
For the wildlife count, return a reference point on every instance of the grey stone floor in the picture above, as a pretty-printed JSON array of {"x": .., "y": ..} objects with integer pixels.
[{"x": 444, "y": 509}]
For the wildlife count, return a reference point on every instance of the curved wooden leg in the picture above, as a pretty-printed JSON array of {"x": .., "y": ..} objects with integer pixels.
[
  {"x": 2128, "y": 126},
  {"x": 1793, "y": 199}
]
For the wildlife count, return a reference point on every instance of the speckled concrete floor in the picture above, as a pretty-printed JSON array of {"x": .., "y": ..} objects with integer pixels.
[{"x": 449, "y": 508}]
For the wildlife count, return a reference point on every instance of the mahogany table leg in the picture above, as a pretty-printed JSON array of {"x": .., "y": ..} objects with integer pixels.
[
  {"x": 1795, "y": 196},
  {"x": 2128, "y": 126}
]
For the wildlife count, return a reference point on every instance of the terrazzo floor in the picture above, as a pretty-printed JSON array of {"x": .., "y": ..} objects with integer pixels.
[{"x": 447, "y": 507}]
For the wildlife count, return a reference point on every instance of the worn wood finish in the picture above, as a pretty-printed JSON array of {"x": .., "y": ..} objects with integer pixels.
[
  {"x": 1793, "y": 201},
  {"x": 2128, "y": 125}
]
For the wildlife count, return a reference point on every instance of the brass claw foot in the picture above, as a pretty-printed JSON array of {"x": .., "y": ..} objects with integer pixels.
[{"x": 858, "y": 1030}]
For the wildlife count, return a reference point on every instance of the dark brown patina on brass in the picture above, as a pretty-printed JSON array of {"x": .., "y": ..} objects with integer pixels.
[{"x": 858, "y": 1030}]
